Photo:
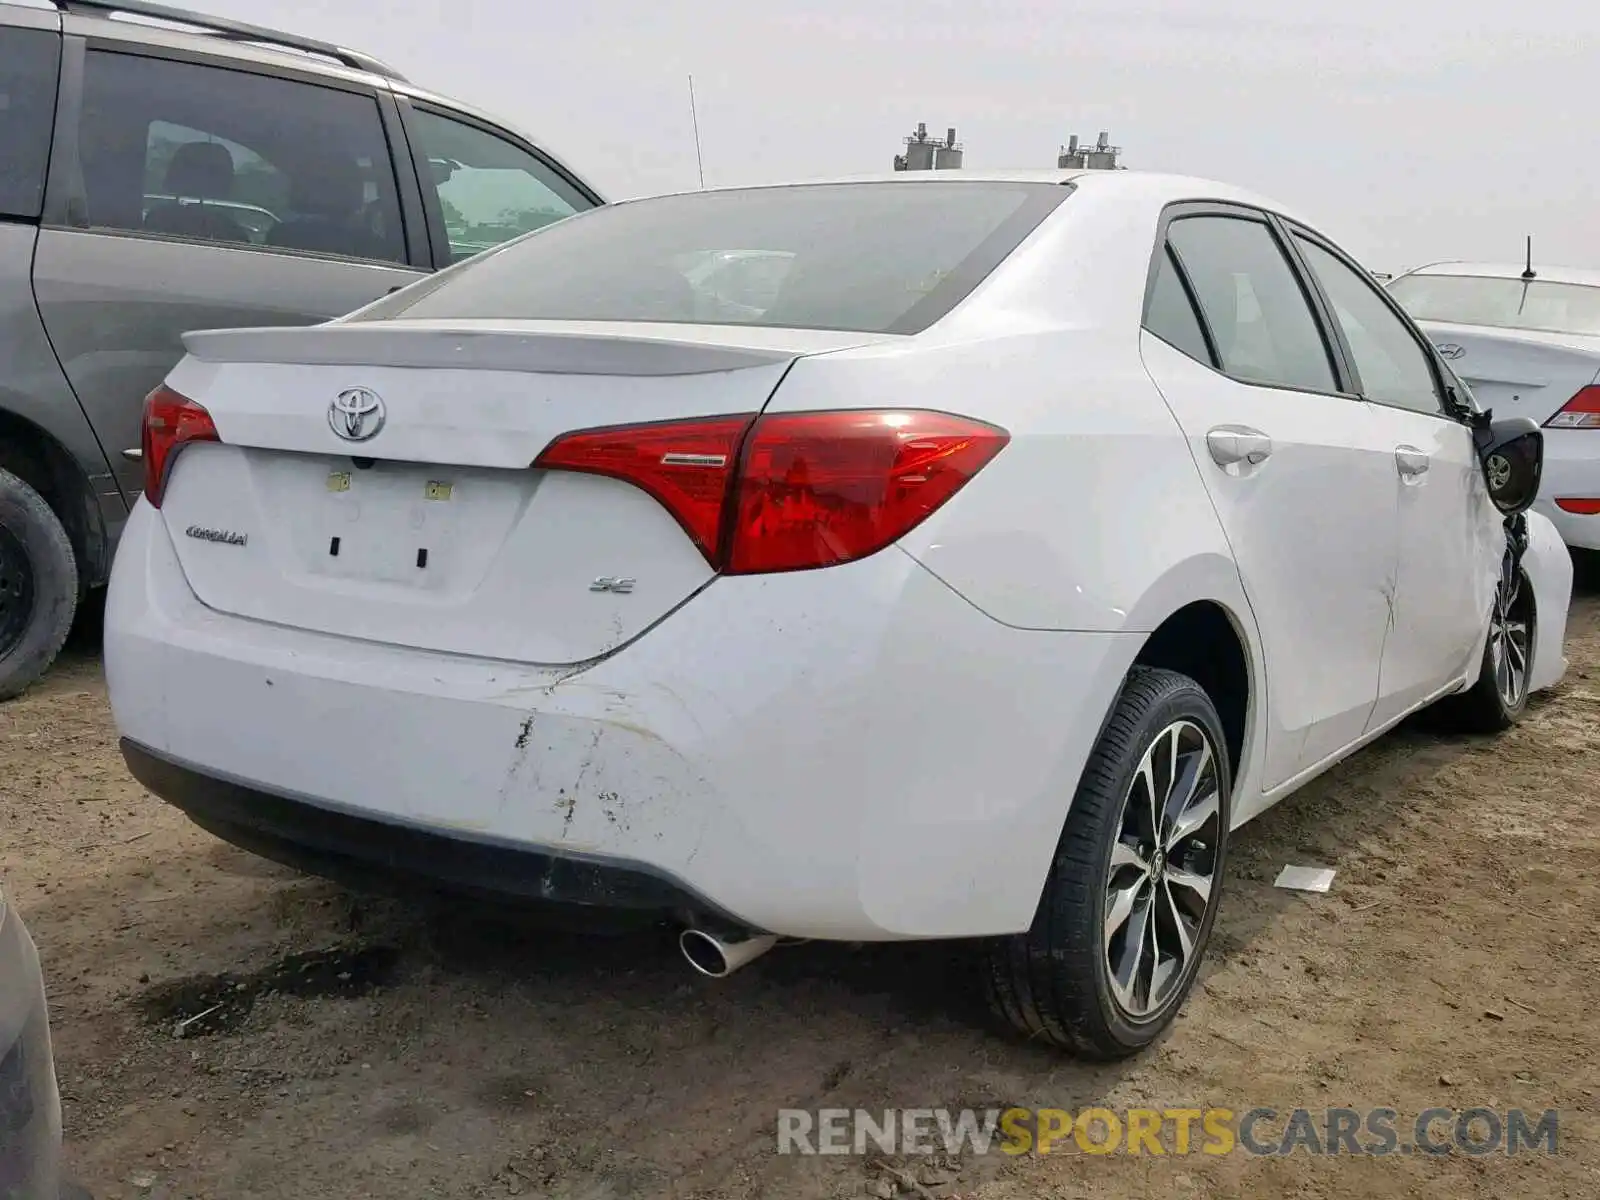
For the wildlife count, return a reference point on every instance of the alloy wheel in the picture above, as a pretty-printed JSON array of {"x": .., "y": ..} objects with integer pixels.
[
  {"x": 1161, "y": 883},
  {"x": 1511, "y": 637}
]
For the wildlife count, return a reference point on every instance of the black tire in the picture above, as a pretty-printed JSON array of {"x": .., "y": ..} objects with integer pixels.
[
  {"x": 1486, "y": 707},
  {"x": 38, "y": 586},
  {"x": 1053, "y": 983}
]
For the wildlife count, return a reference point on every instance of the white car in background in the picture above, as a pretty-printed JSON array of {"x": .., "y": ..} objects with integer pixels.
[
  {"x": 1038, "y": 530},
  {"x": 1528, "y": 345}
]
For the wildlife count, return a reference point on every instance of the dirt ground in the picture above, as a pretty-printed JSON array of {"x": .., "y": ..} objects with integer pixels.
[{"x": 395, "y": 1050}]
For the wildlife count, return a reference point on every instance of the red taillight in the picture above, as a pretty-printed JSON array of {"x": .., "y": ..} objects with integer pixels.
[
  {"x": 171, "y": 421},
  {"x": 791, "y": 491},
  {"x": 816, "y": 489},
  {"x": 685, "y": 465},
  {"x": 1578, "y": 506},
  {"x": 1581, "y": 412}
]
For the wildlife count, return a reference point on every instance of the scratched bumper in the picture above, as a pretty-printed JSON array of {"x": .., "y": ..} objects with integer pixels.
[
  {"x": 852, "y": 753},
  {"x": 364, "y": 850}
]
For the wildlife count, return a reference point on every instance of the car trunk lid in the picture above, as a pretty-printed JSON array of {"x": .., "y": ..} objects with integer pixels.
[
  {"x": 435, "y": 532},
  {"x": 1518, "y": 372}
]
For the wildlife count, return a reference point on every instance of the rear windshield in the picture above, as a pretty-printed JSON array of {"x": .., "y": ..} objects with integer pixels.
[
  {"x": 28, "y": 61},
  {"x": 1501, "y": 303},
  {"x": 890, "y": 257}
]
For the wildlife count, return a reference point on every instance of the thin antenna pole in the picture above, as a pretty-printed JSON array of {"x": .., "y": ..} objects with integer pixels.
[
  {"x": 695, "y": 117},
  {"x": 1528, "y": 272}
]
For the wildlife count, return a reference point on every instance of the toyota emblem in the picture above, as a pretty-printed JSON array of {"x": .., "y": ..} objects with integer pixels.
[{"x": 356, "y": 414}]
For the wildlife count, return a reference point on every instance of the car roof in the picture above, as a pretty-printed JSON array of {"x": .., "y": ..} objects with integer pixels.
[
  {"x": 96, "y": 19},
  {"x": 1544, "y": 274},
  {"x": 1159, "y": 186},
  {"x": 160, "y": 25}
]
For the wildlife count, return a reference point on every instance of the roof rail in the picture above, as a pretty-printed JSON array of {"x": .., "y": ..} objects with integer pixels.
[{"x": 235, "y": 31}]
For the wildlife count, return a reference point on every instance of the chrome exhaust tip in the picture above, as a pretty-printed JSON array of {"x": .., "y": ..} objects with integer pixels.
[{"x": 717, "y": 958}]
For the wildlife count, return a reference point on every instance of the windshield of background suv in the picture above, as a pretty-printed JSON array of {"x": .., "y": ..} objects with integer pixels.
[
  {"x": 1501, "y": 303},
  {"x": 885, "y": 257}
]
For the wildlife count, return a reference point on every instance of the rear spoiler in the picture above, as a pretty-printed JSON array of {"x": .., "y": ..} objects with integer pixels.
[{"x": 553, "y": 351}]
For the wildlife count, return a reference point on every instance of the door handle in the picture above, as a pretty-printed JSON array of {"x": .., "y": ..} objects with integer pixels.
[
  {"x": 1233, "y": 444},
  {"x": 1410, "y": 462}
]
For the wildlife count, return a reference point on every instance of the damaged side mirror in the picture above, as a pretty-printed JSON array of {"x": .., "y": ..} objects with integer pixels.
[{"x": 1512, "y": 453}]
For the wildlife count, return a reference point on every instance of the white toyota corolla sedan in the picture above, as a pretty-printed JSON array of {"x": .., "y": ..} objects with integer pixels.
[{"x": 1016, "y": 540}]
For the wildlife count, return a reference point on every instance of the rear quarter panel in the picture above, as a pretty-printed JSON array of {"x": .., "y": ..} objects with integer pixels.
[{"x": 1094, "y": 518}]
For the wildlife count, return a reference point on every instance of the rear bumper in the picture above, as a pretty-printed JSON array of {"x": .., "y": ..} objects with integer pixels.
[
  {"x": 854, "y": 753},
  {"x": 1571, "y": 469},
  {"x": 359, "y": 848}
]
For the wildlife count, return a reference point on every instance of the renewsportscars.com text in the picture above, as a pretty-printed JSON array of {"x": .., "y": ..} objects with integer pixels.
[{"x": 1260, "y": 1132}]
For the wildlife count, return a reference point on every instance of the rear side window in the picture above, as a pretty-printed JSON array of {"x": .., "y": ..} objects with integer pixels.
[
  {"x": 29, "y": 60},
  {"x": 208, "y": 154},
  {"x": 865, "y": 257},
  {"x": 1171, "y": 316},
  {"x": 1253, "y": 304},
  {"x": 489, "y": 190}
]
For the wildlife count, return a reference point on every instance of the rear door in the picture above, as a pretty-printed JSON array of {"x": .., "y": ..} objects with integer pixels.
[
  {"x": 192, "y": 193},
  {"x": 1451, "y": 536},
  {"x": 1301, "y": 475}
]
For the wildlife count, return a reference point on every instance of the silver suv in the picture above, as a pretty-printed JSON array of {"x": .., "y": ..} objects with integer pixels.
[{"x": 158, "y": 178}]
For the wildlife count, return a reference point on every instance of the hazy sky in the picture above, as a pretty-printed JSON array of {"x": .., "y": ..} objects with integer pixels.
[{"x": 1408, "y": 129}]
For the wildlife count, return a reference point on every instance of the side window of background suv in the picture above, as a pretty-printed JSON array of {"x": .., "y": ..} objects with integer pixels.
[
  {"x": 210, "y": 154},
  {"x": 489, "y": 189},
  {"x": 29, "y": 59}
]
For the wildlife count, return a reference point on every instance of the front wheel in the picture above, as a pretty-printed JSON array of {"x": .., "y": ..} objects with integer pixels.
[
  {"x": 1500, "y": 696},
  {"x": 1129, "y": 903}
]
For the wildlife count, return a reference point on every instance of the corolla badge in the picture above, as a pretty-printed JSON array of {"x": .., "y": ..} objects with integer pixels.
[
  {"x": 356, "y": 414},
  {"x": 221, "y": 537},
  {"x": 1451, "y": 350}
]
